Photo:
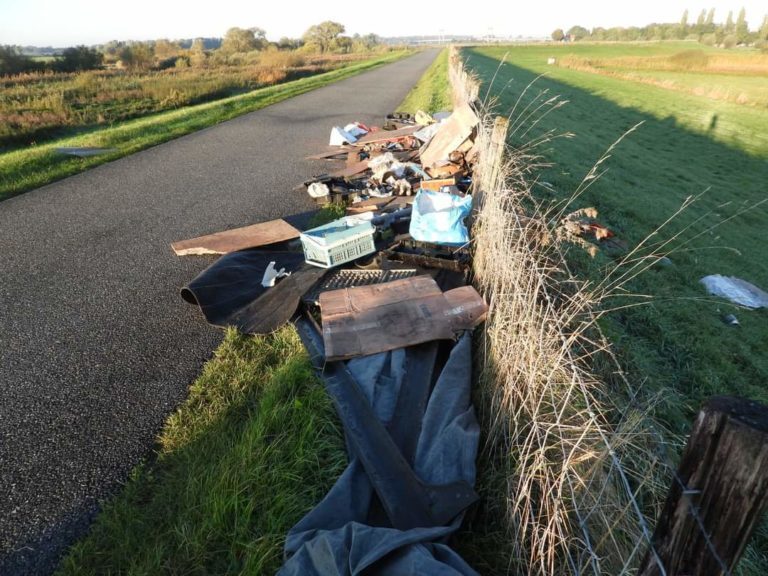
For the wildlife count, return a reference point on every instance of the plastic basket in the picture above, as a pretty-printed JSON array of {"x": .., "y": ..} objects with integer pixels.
[{"x": 338, "y": 242}]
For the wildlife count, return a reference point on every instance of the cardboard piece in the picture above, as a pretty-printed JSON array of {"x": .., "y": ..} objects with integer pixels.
[
  {"x": 237, "y": 239},
  {"x": 370, "y": 319},
  {"x": 452, "y": 134}
]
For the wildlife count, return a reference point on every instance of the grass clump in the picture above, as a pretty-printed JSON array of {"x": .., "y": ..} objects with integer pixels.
[{"x": 255, "y": 446}]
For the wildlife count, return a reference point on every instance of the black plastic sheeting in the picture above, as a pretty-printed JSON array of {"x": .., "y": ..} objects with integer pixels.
[
  {"x": 224, "y": 290},
  {"x": 353, "y": 529}
]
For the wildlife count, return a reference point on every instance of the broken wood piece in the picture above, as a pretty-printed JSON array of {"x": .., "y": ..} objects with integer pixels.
[
  {"x": 370, "y": 205},
  {"x": 370, "y": 319},
  {"x": 444, "y": 171},
  {"x": 237, "y": 239},
  {"x": 451, "y": 136},
  {"x": 437, "y": 184},
  {"x": 386, "y": 135}
]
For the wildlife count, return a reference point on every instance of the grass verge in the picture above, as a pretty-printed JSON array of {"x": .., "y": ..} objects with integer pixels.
[
  {"x": 254, "y": 447},
  {"x": 432, "y": 92},
  {"x": 24, "y": 170}
]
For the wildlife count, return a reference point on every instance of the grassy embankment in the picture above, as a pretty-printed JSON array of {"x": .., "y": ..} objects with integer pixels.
[
  {"x": 253, "y": 448},
  {"x": 36, "y": 165},
  {"x": 673, "y": 347},
  {"x": 688, "y": 144}
]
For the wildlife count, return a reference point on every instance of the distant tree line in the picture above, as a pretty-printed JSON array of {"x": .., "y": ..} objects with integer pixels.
[
  {"x": 727, "y": 34},
  {"x": 237, "y": 46}
]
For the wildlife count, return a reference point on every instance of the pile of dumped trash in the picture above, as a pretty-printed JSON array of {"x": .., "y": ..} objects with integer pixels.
[{"x": 381, "y": 299}]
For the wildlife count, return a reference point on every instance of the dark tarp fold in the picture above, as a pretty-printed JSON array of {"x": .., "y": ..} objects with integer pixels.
[{"x": 344, "y": 534}]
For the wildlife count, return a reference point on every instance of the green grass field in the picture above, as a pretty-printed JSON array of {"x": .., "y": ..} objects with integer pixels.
[{"x": 686, "y": 145}]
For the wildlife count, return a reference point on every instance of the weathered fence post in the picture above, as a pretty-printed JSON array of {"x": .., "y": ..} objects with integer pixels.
[{"x": 719, "y": 494}]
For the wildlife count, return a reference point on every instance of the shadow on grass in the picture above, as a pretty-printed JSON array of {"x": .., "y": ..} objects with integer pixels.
[
  {"x": 676, "y": 346},
  {"x": 678, "y": 341}
]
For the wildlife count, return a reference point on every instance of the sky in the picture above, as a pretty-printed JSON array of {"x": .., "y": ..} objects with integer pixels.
[{"x": 62, "y": 23}]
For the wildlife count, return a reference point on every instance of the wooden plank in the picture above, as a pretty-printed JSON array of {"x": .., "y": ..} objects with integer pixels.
[
  {"x": 370, "y": 205},
  {"x": 451, "y": 135},
  {"x": 719, "y": 494},
  {"x": 387, "y": 135},
  {"x": 370, "y": 319},
  {"x": 331, "y": 153},
  {"x": 237, "y": 239},
  {"x": 437, "y": 184}
]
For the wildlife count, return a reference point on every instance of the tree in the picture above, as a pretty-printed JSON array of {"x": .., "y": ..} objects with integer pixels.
[
  {"x": 558, "y": 35},
  {"x": 197, "y": 55},
  {"x": 683, "y": 25},
  {"x": 286, "y": 43},
  {"x": 742, "y": 29},
  {"x": 700, "y": 22},
  {"x": 243, "y": 40},
  {"x": 80, "y": 58},
  {"x": 729, "y": 27},
  {"x": 323, "y": 35},
  {"x": 762, "y": 34},
  {"x": 709, "y": 24},
  {"x": 12, "y": 61},
  {"x": 577, "y": 32},
  {"x": 166, "y": 49},
  {"x": 137, "y": 56}
]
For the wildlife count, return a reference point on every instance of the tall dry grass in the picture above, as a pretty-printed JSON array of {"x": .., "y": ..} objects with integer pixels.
[
  {"x": 580, "y": 462},
  {"x": 37, "y": 106}
]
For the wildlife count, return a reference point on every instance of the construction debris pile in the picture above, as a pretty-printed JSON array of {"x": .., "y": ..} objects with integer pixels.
[{"x": 381, "y": 299}]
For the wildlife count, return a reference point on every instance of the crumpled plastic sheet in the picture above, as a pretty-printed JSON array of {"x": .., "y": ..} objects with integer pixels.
[
  {"x": 736, "y": 290},
  {"x": 335, "y": 538}
]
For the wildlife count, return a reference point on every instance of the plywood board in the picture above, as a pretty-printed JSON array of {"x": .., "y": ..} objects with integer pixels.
[
  {"x": 237, "y": 239},
  {"x": 370, "y": 319},
  {"x": 451, "y": 135}
]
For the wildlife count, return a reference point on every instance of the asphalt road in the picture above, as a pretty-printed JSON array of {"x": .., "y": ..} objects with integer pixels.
[{"x": 96, "y": 346}]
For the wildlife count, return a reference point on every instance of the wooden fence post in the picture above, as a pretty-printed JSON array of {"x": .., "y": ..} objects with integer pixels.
[{"x": 719, "y": 495}]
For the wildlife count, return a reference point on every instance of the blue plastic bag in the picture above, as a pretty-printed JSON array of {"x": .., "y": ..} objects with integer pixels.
[{"x": 438, "y": 217}]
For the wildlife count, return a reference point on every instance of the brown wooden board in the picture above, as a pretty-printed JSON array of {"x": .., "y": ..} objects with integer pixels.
[
  {"x": 332, "y": 152},
  {"x": 386, "y": 135},
  {"x": 370, "y": 319},
  {"x": 437, "y": 184},
  {"x": 451, "y": 135},
  {"x": 237, "y": 239},
  {"x": 370, "y": 205}
]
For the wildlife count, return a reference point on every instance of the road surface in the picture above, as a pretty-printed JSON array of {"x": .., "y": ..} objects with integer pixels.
[{"x": 96, "y": 346}]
